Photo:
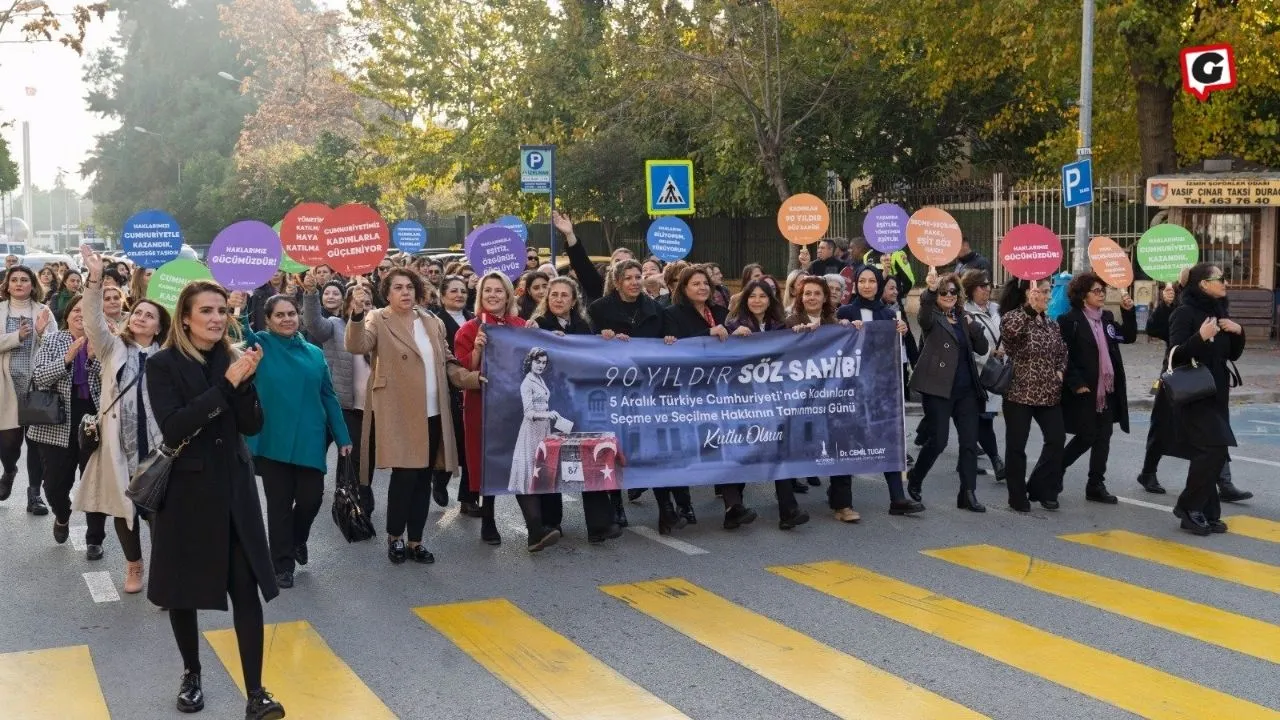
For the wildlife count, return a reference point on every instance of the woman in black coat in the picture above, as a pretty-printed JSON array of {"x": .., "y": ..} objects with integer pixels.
[
  {"x": 947, "y": 378},
  {"x": 208, "y": 541},
  {"x": 1094, "y": 396},
  {"x": 1161, "y": 310},
  {"x": 1201, "y": 330}
]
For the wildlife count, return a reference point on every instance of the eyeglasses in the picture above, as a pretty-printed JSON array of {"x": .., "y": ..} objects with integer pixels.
[
  {"x": 949, "y": 292},
  {"x": 1215, "y": 279},
  {"x": 1098, "y": 291}
]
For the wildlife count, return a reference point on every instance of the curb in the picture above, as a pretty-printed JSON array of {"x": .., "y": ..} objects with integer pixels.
[{"x": 1145, "y": 402}]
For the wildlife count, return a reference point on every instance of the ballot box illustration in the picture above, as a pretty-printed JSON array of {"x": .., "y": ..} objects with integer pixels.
[{"x": 578, "y": 462}]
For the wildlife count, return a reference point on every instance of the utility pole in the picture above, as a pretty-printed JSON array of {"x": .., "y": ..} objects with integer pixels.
[{"x": 1084, "y": 149}]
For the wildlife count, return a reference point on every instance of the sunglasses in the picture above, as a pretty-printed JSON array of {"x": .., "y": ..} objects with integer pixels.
[
  {"x": 949, "y": 292},
  {"x": 1215, "y": 279}
]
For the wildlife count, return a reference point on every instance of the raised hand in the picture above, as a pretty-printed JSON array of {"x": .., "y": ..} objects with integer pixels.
[
  {"x": 92, "y": 262},
  {"x": 43, "y": 320},
  {"x": 931, "y": 280},
  {"x": 1209, "y": 329}
]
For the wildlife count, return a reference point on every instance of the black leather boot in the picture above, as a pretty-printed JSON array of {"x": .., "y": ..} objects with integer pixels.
[
  {"x": 190, "y": 695},
  {"x": 1228, "y": 492}
]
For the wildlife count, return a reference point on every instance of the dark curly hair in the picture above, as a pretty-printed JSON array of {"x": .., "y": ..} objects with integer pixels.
[
  {"x": 1079, "y": 287},
  {"x": 419, "y": 288},
  {"x": 533, "y": 354}
]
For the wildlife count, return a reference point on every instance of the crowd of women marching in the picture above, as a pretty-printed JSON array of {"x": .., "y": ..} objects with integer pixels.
[{"x": 96, "y": 379}]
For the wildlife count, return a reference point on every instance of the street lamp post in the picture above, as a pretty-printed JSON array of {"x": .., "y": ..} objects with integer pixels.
[{"x": 163, "y": 142}]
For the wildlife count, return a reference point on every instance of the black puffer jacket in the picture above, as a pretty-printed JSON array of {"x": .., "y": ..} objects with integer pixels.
[{"x": 641, "y": 319}]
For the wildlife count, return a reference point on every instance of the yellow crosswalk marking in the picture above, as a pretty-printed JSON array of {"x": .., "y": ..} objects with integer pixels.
[
  {"x": 842, "y": 684},
  {"x": 1256, "y": 528},
  {"x": 550, "y": 672},
  {"x": 1184, "y": 557},
  {"x": 56, "y": 683},
  {"x": 303, "y": 673},
  {"x": 1126, "y": 684},
  {"x": 1202, "y": 622}
]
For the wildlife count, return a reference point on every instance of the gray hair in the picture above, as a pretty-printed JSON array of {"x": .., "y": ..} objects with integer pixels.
[{"x": 836, "y": 278}]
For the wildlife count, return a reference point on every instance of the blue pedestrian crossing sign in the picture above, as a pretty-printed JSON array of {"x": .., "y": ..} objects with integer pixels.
[
  {"x": 1077, "y": 183},
  {"x": 668, "y": 186}
]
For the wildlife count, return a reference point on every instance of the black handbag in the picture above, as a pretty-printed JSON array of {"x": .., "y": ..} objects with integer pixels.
[
  {"x": 351, "y": 519},
  {"x": 150, "y": 481},
  {"x": 87, "y": 433},
  {"x": 1188, "y": 383},
  {"x": 40, "y": 407},
  {"x": 996, "y": 374}
]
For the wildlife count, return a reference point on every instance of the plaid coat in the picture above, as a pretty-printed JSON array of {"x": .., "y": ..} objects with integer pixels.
[{"x": 51, "y": 370}]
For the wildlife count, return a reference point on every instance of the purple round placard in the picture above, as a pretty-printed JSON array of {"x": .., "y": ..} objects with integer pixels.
[
  {"x": 493, "y": 247},
  {"x": 244, "y": 255},
  {"x": 885, "y": 227}
]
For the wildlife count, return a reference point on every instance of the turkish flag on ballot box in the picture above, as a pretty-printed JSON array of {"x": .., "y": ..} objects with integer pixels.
[{"x": 578, "y": 462}]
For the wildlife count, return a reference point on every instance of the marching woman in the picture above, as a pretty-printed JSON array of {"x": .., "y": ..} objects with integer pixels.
[
  {"x": 1039, "y": 356},
  {"x": 625, "y": 312},
  {"x": 454, "y": 313},
  {"x": 127, "y": 427},
  {"x": 947, "y": 379},
  {"x": 1201, "y": 330},
  {"x": 64, "y": 364},
  {"x": 495, "y": 305},
  {"x": 300, "y": 411},
  {"x": 977, "y": 288},
  {"x": 561, "y": 313},
  {"x": 1093, "y": 393},
  {"x": 208, "y": 542},
  {"x": 113, "y": 306},
  {"x": 693, "y": 314},
  {"x": 891, "y": 297},
  {"x": 407, "y": 425},
  {"x": 755, "y": 310},
  {"x": 27, "y": 324},
  {"x": 865, "y": 306}
]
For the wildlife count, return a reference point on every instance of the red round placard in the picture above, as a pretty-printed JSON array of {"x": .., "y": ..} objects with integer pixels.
[
  {"x": 355, "y": 239},
  {"x": 1031, "y": 252},
  {"x": 300, "y": 233}
]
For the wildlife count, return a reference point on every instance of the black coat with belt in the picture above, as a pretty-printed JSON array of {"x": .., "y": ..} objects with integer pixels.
[
  {"x": 935, "y": 372},
  {"x": 1079, "y": 410},
  {"x": 211, "y": 485},
  {"x": 1204, "y": 423}
]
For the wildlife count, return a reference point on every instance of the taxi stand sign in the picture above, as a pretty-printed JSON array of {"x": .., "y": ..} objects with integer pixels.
[{"x": 668, "y": 186}]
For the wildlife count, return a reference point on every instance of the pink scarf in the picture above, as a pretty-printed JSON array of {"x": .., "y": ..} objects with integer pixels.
[{"x": 1106, "y": 372}]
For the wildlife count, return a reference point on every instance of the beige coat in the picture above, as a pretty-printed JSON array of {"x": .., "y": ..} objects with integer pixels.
[
  {"x": 397, "y": 392},
  {"x": 8, "y": 343},
  {"x": 106, "y": 476}
]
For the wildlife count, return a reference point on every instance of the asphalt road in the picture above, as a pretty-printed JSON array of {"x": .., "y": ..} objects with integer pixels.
[{"x": 1072, "y": 632}]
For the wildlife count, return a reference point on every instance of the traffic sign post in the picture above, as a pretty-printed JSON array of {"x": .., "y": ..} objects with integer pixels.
[
  {"x": 668, "y": 186},
  {"x": 538, "y": 175},
  {"x": 1077, "y": 183}
]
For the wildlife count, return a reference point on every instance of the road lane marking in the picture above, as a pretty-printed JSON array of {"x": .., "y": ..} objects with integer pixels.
[
  {"x": 554, "y": 675},
  {"x": 1219, "y": 566},
  {"x": 1145, "y": 504},
  {"x": 304, "y": 674},
  {"x": 447, "y": 518},
  {"x": 1259, "y": 461},
  {"x": 1128, "y": 685},
  {"x": 101, "y": 587},
  {"x": 1256, "y": 528},
  {"x": 842, "y": 684},
  {"x": 77, "y": 537},
  {"x": 51, "y": 685},
  {"x": 1201, "y": 622},
  {"x": 687, "y": 548}
]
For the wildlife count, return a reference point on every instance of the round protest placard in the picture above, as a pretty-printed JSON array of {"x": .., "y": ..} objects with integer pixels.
[
  {"x": 669, "y": 238},
  {"x": 300, "y": 233},
  {"x": 493, "y": 247},
  {"x": 354, "y": 238},
  {"x": 1031, "y": 252},
  {"x": 933, "y": 236},
  {"x": 168, "y": 280},
  {"x": 244, "y": 255},
  {"x": 803, "y": 219},
  {"x": 1164, "y": 250},
  {"x": 287, "y": 264},
  {"x": 885, "y": 227},
  {"x": 1110, "y": 262},
  {"x": 511, "y": 222},
  {"x": 410, "y": 236},
  {"x": 151, "y": 238}
]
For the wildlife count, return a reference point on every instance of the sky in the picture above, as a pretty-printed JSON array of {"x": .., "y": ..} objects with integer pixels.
[{"x": 62, "y": 129}]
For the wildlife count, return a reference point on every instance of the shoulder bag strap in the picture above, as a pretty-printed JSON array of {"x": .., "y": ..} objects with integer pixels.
[{"x": 120, "y": 394}]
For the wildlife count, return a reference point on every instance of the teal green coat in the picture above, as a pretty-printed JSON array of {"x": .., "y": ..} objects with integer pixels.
[{"x": 300, "y": 410}]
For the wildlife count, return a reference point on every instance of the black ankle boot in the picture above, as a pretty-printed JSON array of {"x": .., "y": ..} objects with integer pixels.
[
  {"x": 1228, "y": 492},
  {"x": 6, "y": 484},
  {"x": 914, "y": 487},
  {"x": 997, "y": 467},
  {"x": 36, "y": 506},
  {"x": 686, "y": 512},
  {"x": 669, "y": 519},
  {"x": 489, "y": 532},
  {"x": 190, "y": 695},
  {"x": 967, "y": 500},
  {"x": 1151, "y": 483}
]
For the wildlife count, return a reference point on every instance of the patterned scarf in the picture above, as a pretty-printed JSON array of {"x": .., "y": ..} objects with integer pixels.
[{"x": 1106, "y": 373}]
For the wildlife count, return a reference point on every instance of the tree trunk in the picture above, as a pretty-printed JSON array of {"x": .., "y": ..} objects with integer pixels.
[
  {"x": 1155, "y": 127},
  {"x": 769, "y": 157},
  {"x": 610, "y": 229}
]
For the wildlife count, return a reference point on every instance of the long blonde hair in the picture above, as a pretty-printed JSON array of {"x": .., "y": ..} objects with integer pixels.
[
  {"x": 506, "y": 284},
  {"x": 179, "y": 335}
]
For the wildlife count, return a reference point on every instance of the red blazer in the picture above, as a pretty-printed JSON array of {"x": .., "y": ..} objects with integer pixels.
[{"x": 464, "y": 344}]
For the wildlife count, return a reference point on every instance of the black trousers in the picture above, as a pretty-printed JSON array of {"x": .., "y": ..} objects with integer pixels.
[
  {"x": 409, "y": 492},
  {"x": 541, "y": 512},
  {"x": 1095, "y": 439},
  {"x": 130, "y": 540},
  {"x": 664, "y": 496},
  {"x": 1151, "y": 459},
  {"x": 939, "y": 414},
  {"x": 786, "y": 495},
  {"x": 840, "y": 490},
  {"x": 61, "y": 463},
  {"x": 597, "y": 510},
  {"x": 987, "y": 436},
  {"x": 246, "y": 609},
  {"x": 731, "y": 493},
  {"x": 1201, "y": 492},
  {"x": 11, "y": 450},
  {"x": 294, "y": 496},
  {"x": 1046, "y": 478}
]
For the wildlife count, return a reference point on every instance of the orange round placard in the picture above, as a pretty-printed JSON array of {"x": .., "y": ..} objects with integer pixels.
[
  {"x": 933, "y": 236},
  {"x": 803, "y": 219}
]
